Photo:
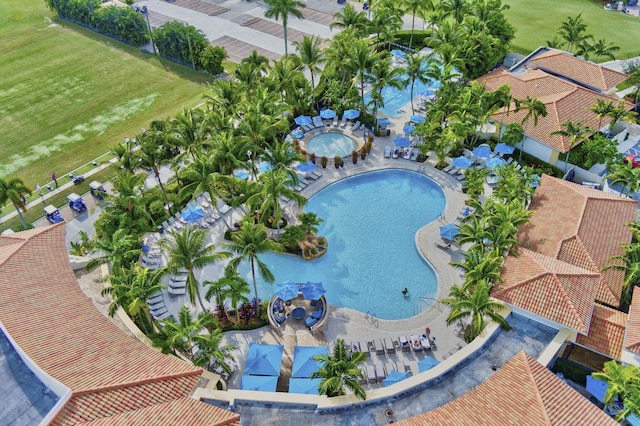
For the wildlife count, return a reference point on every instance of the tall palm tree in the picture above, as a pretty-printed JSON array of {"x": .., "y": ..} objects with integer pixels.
[
  {"x": 385, "y": 23},
  {"x": 602, "y": 109},
  {"x": 623, "y": 385},
  {"x": 413, "y": 7},
  {"x": 620, "y": 113},
  {"x": 121, "y": 249},
  {"x": 456, "y": 9},
  {"x": 600, "y": 48},
  {"x": 13, "y": 190},
  {"x": 629, "y": 263},
  {"x": 627, "y": 175},
  {"x": 535, "y": 109},
  {"x": 188, "y": 250},
  {"x": 362, "y": 60},
  {"x": 481, "y": 266},
  {"x": 130, "y": 289},
  {"x": 311, "y": 57},
  {"x": 349, "y": 18},
  {"x": 503, "y": 98},
  {"x": 383, "y": 75},
  {"x": 340, "y": 370},
  {"x": 477, "y": 304},
  {"x": 193, "y": 129},
  {"x": 231, "y": 286},
  {"x": 281, "y": 9},
  {"x": 281, "y": 155},
  {"x": 182, "y": 335},
  {"x": 248, "y": 243},
  {"x": 573, "y": 32},
  {"x": 414, "y": 70},
  {"x": 153, "y": 155},
  {"x": 576, "y": 132},
  {"x": 211, "y": 353}
]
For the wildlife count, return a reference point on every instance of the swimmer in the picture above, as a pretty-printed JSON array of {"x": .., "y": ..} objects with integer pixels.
[{"x": 405, "y": 291}]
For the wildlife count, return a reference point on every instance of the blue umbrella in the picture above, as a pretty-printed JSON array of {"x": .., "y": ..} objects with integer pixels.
[
  {"x": 417, "y": 119},
  {"x": 302, "y": 120},
  {"x": 633, "y": 420},
  {"x": 427, "y": 364},
  {"x": 259, "y": 383},
  {"x": 449, "y": 231},
  {"x": 298, "y": 134},
  {"x": 596, "y": 387},
  {"x": 461, "y": 162},
  {"x": 504, "y": 149},
  {"x": 394, "y": 377},
  {"x": 401, "y": 142},
  {"x": 265, "y": 167},
  {"x": 287, "y": 290},
  {"x": 408, "y": 129},
  {"x": 303, "y": 363},
  {"x": 264, "y": 360},
  {"x": 192, "y": 214},
  {"x": 241, "y": 174},
  {"x": 327, "y": 114},
  {"x": 492, "y": 163},
  {"x": 305, "y": 386},
  {"x": 482, "y": 151},
  {"x": 383, "y": 122},
  {"x": 351, "y": 114},
  {"x": 306, "y": 167},
  {"x": 312, "y": 291},
  {"x": 399, "y": 53}
]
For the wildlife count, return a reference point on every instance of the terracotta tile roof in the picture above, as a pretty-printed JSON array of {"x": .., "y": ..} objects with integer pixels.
[
  {"x": 523, "y": 393},
  {"x": 52, "y": 320},
  {"x": 606, "y": 332},
  {"x": 584, "y": 72},
  {"x": 563, "y": 100},
  {"x": 177, "y": 412},
  {"x": 632, "y": 337},
  {"x": 560, "y": 292}
]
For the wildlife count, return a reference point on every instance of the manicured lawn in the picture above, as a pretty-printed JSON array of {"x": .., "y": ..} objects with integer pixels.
[
  {"x": 67, "y": 95},
  {"x": 538, "y": 20}
]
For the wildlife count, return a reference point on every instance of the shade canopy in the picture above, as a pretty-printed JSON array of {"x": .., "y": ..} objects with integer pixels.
[
  {"x": 492, "y": 163},
  {"x": 312, "y": 291},
  {"x": 241, "y": 174},
  {"x": 192, "y": 214},
  {"x": 287, "y": 290},
  {"x": 302, "y": 120},
  {"x": 298, "y": 134},
  {"x": 417, "y": 119},
  {"x": 504, "y": 149},
  {"x": 351, "y": 114},
  {"x": 304, "y": 385},
  {"x": 264, "y": 360},
  {"x": 482, "y": 151},
  {"x": 259, "y": 383},
  {"x": 395, "y": 377},
  {"x": 408, "y": 129},
  {"x": 306, "y": 167},
  {"x": 461, "y": 162},
  {"x": 427, "y": 364},
  {"x": 596, "y": 387},
  {"x": 327, "y": 114},
  {"x": 401, "y": 142},
  {"x": 399, "y": 53},
  {"x": 449, "y": 231},
  {"x": 303, "y": 363}
]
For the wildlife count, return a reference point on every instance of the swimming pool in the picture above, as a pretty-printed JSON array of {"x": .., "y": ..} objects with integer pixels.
[
  {"x": 395, "y": 99},
  {"x": 370, "y": 221},
  {"x": 330, "y": 144}
]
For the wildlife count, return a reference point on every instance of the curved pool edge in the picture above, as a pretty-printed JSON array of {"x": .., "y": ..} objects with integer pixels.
[{"x": 320, "y": 131}]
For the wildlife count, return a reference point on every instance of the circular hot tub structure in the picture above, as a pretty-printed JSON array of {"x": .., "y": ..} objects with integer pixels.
[{"x": 331, "y": 144}]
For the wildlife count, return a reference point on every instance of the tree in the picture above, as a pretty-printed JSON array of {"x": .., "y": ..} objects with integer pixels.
[
  {"x": 231, "y": 286},
  {"x": 248, "y": 243},
  {"x": 481, "y": 266},
  {"x": 193, "y": 129},
  {"x": 278, "y": 9},
  {"x": 627, "y": 175},
  {"x": 13, "y": 190},
  {"x": 600, "y": 48},
  {"x": 153, "y": 155},
  {"x": 576, "y": 132},
  {"x": 623, "y": 385},
  {"x": 362, "y": 61},
  {"x": 619, "y": 113},
  {"x": 535, "y": 108},
  {"x": 414, "y": 71},
  {"x": 383, "y": 75},
  {"x": 349, "y": 18},
  {"x": 385, "y": 24},
  {"x": 629, "y": 263},
  {"x": 573, "y": 32},
  {"x": 189, "y": 251},
  {"x": 340, "y": 370},
  {"x": 413, "y": 6},
  {"x": 602, "y": 109},
  {"x": 311, "y": 57},
  {"x": 121, "y": 249},
  {"x": 477, "y": 304}
]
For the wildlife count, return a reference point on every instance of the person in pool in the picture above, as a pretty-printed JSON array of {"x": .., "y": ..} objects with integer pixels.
[{"x": 405, "y": 291}]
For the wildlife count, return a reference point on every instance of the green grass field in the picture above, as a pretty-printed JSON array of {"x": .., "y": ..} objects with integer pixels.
[
  {"x": 67, "y": 95},
  {"x": 538, "y": 20}
]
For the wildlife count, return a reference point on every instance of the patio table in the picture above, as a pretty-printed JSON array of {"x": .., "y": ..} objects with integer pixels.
[{"x": 298, "y": 313}]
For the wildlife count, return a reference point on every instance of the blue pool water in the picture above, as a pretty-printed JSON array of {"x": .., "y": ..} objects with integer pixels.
[
  {"x": 331, "y": 144},
  {"x": 395, "y": 99},
  {"x": 370, "y": 221}
]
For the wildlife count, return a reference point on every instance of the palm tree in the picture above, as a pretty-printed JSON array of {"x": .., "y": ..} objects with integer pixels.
[
  {"x": 627, "y": 175},
  {"x": 348, "y": 18},
  {"x": 130, "y": 289},
  {"x": 457, "y": 9},
  {"x": 572, "y": 31},
  {"x": 576, "y": 132},
  {"x": 277, "y": 9},
  {"x": 414, "y": 6},
  {"x": 602, "y": 109},
  {"x": 189, "y": 251},
  {"x": 193, "y": 129},
  {"x": 383, "y": 75},
  {"x": 474, "y": 231},
  {"x": 153, "y": 155},
  {"x": 618, "y": 113},
  {"x": 623, "y": 385},
  {"x": 211, "y": 354},
  {"x": 182, "y": 335},
  {"x": 121, "y": 249},
  {"x": 535, "y": 108},
  {"x": 477, "y": 304},
  {"x": 481, "y": 266},
  {"x": 14, "y": 190},
  {"x": 311, "y": 57},
  {"x": 362, "y": 61},
  {"x": 340, "y": 370},
  {"x": 385, "y": 23},
  {"x": 629, "y": 263},
  {"x": 414, "y": 70},
  {"x": 600, "y": 48},
  {"x": 248, "y": 243},
  {"x": 231, "y": 286}
]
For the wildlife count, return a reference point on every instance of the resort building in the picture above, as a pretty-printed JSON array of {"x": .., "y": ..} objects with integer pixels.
[
  {"x": 557, "y": 277},
  {"x": 566, "y": 84},
  {"x": 99, "y": 374}
]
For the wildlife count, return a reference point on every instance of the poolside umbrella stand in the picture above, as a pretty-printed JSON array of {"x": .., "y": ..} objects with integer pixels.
[
  {"x": 408, "y": 129},
  {"x": 427, "y": 364},
  {"x": 327, "y": 114},
  {"x": 304, "y": 385},
  {"x": 504, "y": 149},
  {"x": 395, "y": 377},
  {"x": 492, "y": 163},
  {"x": 417, "y": 119},
  {"x": 482, "y": 151},
  {"x": 461, "y": 162},
  {"x": 449, "y": 232},
  {"x": 264, "y": 360},
  {"x": 306, "y": 167},
  {"x": 192, "y": 214},
  {"x": 303, "y": 363},
  {"x": 303, "y": 120},
  {"x": 259, "y": 383},
  {"x": 312, "y": 291},
  {"x": 401, "y": 142},
  {"x": 351, "y": 114},
  {"x": 287, "y": 290}
]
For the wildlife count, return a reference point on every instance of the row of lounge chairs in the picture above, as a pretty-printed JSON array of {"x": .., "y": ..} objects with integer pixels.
[
  {"x": 377, "y": 372},
  {"x": 178, "y": 284},
  {"x": 211, "y": 214},
  {"x": 157, "y": 307},
  {"x": 389, "y": 346},
  {"x": 308, "y": 180}
]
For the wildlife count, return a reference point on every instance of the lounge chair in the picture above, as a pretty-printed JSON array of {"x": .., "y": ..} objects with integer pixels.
[
  {"x": 335, "y": 122},
  {"x": 158, "y": 311},
  {"x": 343, "y": 123},
  {"x": 317, "y": 121},
  {"x": 177, "y": 291},
  {"x": 387, "y": 151},
  {"x": 404, "y": 344},
  {"x": 151, "y": 261},
  {"x": 407, "y": 153},
  {"x": 454, "y": 170},
  {"x": 390, "y": 366},
  {"x": 448, "y": 168},
  {"x": 363, "y": 347},
  {"x": 415, "y": 343},
  {"x": 355, "y": 347},
  {"x": 444, "y": 245},
  {"x": 389, "y": 345},
  {"x": 317, "y": 173},
  {"x": 379, "y": 347},
  {"x": 307, "y": 128},
  {"x": 371, "y": 346},
  {"x": 156, "y": 304},
  {"x": 355, "y": 126},
  {"x": 396, "y": 153},
  {"x": 381, "y": 374},
  {"x": 370, "y": 371},
  {"x": 425, "y": 342}
]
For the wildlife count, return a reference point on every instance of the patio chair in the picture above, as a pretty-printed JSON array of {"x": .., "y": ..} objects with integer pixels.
[
  {"x": 155, "y": 304},
  {"x": 177, "y": 291},
  {"x": 448, "y": 168},
  {"x": 343, "y": 123},
  {"x": 317, "y": 121},
  {"x": 370, "y": 372},
  {"x": 389, "y": 345},
  {"x": 307, "y": 128},
  {"x": 317, "y": 173},
  {"x": 380, "y": 371},
  {"x": 379, "y": 347},
  {"x": 335, "y": 122},
  {"x": 404, "y": 344},
  {"x": 387, "y": 151},
  {"x": 407, "y": 153},
  {"x": 363, "y": 347},
  {"x": 355, "y": 125},
  {"x": 453, "y": 171}
]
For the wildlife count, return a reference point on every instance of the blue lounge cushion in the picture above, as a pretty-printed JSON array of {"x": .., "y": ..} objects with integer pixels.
[{"x": 316, "y": 314}]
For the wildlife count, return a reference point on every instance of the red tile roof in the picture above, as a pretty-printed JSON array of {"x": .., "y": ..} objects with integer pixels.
[
  {"x": 51, "y": 319},
  {"x": 585, "y": 72},
  {"x": 632, "y": 337},
  {"x": 522, "y": 393},
  {"x": 563, "y": 100},
  {"x": 606, "y": 332}
]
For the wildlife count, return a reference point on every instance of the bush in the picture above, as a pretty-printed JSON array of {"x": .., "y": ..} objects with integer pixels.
[{"x": 572, "y": 371}]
